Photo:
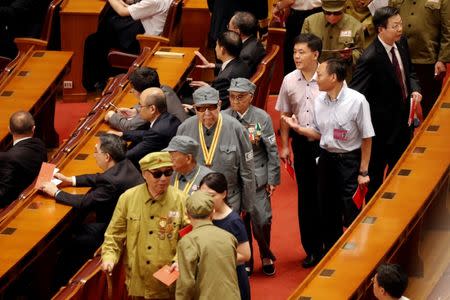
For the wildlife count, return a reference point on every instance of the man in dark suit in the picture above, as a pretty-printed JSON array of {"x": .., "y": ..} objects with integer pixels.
[
  {"x": 246, "y": 25},
  {"x": 20, "y": 165},
  {"x": 228, "y": 48},
  {"x": 163, "y": 126},
  {"x": 118, "y": 176},
  {"x": 384, "y": 74}
]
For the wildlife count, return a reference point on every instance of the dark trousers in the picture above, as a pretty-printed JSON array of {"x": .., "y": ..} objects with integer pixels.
[
  {"x": 431, "y": 87},
  {"x": 294, "y": 24},
  {"x": 385, "y": 154},
  {"x": 113, "y": 31},
  {"x": 338, "y": 180},
  {"x": 305, "y": 154}
]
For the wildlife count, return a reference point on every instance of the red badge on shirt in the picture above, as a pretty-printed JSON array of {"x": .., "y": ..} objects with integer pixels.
[{"x": 340, "y": 134}]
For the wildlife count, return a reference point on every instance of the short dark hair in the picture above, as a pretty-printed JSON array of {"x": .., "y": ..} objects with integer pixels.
[
  {"x": 21, "y": 122},
  {"x": 245, "y": 22},
  {"x": 338, "y": 67},
  {"x": 215, "y": 181},
  {"x": 231, "y": 41},
  {"x": 158, "y": 100},
  {"x": 143, "y": 78},
  {"x": 381, "y": 16},
  {"x": 392, "y": 279},
  {"x": 113, "y": 145},
  {"x": 312, "y": 41}
]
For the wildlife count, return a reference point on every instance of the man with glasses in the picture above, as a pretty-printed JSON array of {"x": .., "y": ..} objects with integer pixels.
[
  {"x": 386, "y": 77},
  {"x": 225, "y": 147},
  {"x": 188, "y": 174},
  {"x": 296, "y": 97},
  {"x": 163, "y": 126},
  {"x": 342, "y": 35},
  {"x": 118, "y": 175},
  {"x": 267, "y": 166},
  {"x": 145, "y": 226}
]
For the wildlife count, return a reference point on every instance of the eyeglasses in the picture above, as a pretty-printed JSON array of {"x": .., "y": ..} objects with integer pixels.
[
  {"x": 140, "y": 106},
  {"x": 334, "y": 13},
  {"x": 158, "y": 174},
  {"x": 396, "y": 26},
  {"x": 203, "y": 108},
  {"x": 238, "y": 97}
]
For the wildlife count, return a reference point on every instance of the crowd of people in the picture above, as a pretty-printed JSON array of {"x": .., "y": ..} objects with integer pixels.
[{"x": 211, "y": 159}]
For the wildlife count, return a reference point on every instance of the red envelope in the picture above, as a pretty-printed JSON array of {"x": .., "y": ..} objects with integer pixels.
[
  {"x": 45, "y": 174},
  {"x": 165, "y": 276},
  {"x": 289, "y": 168},
  {"x": 360, "y": 196},
  {"x": 185, "y": 230},
  {"x": 412, "y": 111}
]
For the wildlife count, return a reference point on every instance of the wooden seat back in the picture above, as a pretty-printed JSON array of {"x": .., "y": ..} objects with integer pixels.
[
  {"x": 172, "y": 28},
  {"x": 51, "y": 23},
  {"x": 263, "y": 86},
  {"x": 276, "y": 37}
]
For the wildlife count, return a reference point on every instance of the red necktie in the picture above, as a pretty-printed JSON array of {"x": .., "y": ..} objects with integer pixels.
[{"x": 398, "y": 73}]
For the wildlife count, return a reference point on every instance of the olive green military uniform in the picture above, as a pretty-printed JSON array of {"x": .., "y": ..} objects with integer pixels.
[
  {"x": 149, "y": 226},
  {"x": 426, "y": 24},
  {"x": 364, "y": 16}
]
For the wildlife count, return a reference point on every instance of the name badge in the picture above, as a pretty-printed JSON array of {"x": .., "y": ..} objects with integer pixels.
[
  {"x": 434, "y": 1},
  {"x": 346, "y": 33},
  {"x": 340, "y": 134}
]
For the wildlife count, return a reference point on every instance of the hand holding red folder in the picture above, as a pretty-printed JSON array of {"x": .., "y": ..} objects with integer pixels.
[
  {"x": 359, "y": 197},
  {"x": 166, "y": 276},
  {"x": 45, "y": 174},
  {"x": 287, "y": 163}
]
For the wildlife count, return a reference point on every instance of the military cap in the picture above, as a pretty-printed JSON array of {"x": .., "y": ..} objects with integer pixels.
[
  {"x": 205, "y": 95},
  {"x": 242, "y": 85},
  {"x": 333, "y": 5},
  {"x": 155, "y": 160},
  {"x": 183, "y": 144},
  {"x": 199, "y": 205}
]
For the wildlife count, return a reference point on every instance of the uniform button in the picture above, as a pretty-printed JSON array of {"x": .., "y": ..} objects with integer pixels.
[
  {"x": 307, "y": 84},
  {"x": 412, "y": 14},
  {"x": 307, "y": 124},
  {"x": 414, "y": 2},
  {"x": 331, "y": 37},
  {"x": 148, "y": 262},
  {"x": 307, "y": 97},
  {"x": 152, "y": 217},
  {"x": 307, "y": 110},
  {"x": 409, "y": 25},
  {"x": 153, "y": 202},
  {"x": 150, "y": 232},
  {"x": 149, "y": 247}
]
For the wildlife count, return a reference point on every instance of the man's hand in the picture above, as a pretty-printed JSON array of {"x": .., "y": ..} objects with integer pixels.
[
  {"x": 205, "y": 63},
  {"x": 118, "y": 133},
  {"x": 439, "y": 69},
  {"x": 198, "y": 83},
  {"x": 270, "y": 189},
  {"x": 291, "y": 121},
  {"x": 127, "y": 112},
  {"x": 107, "y": 266},
  {"x": 49, "y": 188},
  {"x": 174, "y": 267},
  {"x": 285, "y": 153},
  {"x": 416, "y": 96},
  {"x": 108, "y": 115},
  {"x": 66, "y": 180},
  {"x": 363, "y": 180}
]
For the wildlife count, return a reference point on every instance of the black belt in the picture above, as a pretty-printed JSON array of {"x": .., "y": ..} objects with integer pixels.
[{"x": 352, "y": 154}]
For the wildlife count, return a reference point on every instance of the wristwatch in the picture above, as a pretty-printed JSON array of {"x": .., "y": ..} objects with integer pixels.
[{"x": 363, "y": 173}]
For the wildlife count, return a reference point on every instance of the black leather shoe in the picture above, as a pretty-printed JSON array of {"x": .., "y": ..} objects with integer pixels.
[
  {"x": 269, "y": 269},
  {"x": 311, "y": 260}
]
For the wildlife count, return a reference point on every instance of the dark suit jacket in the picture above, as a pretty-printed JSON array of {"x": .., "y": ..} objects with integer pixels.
[
  {"x": 234, "y": 69},
  {"x": 252, "y": 53},
  {"x": 19, "y": 166},
  {"x": 375, "y": 78},
  {"x": 151, "y": 140},
  {"x": 105, "y": 191}
]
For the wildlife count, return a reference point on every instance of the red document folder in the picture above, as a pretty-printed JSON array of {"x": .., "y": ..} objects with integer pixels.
[
  {"x": 165, "y": 276},
  {"x": 289, "y": 168},
  {"x": 360, "y": 196},
  {"x": 45, "y": 174}
]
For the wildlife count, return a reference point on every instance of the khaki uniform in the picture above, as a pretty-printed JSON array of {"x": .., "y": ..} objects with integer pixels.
[
  {"x": 365, "y": 17},
  {"x": 150, "y": 229},
  {"x": 347, "y": 33},
  {"x": 207, "y": 263}
]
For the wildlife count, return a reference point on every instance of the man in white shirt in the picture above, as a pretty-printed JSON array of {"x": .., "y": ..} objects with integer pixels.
[{"x": 390, "y": 282}]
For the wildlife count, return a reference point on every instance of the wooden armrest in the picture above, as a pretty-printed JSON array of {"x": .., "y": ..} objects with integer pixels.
[
  {"x": 121, "y": 60},
  {"x": 23, "y": 44},
  {"x": 151, "y": 40},
  {"x": 4, "y": 61}
]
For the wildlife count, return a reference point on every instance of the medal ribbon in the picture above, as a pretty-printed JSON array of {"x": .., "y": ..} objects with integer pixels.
[
  {"x": 188, "y": 184},
  {"x": 209, "y": 155}
]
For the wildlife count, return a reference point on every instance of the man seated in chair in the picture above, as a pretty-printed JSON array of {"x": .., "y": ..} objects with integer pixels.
[
  {"x": 120, "y": 25},
  {"x": 141, "y": 80},
  {"x": 228, "y": 48},
  {"x": 20, "y": 165},
  {"x": 163, "y": 126}
]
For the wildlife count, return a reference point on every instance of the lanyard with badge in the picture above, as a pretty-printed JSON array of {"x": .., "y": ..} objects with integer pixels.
[
  {"x": 188, "y": 184},
  {"x": 208, "y": 155}
]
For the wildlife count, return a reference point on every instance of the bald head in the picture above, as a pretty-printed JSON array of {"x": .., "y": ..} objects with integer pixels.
[
  {"x": 21, "y": 123},
  {"x": 154, "y": 96}
]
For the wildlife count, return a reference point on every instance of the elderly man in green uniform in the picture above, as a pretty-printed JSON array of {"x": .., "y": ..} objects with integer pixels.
[
  {"x": 342, "y": 35},
  {"x": 183, "y": 150},
  {"x": 359, "y": 10},
  {"x": 267, "y": 166},
  {"x": 145, "y": 226},
  {"x": 207, "y": 255},
  {"x": 225, "y": 147},
  {"x": 426, "y": 24}
]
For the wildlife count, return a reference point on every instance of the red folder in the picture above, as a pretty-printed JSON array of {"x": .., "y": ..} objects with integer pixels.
[
  {"x": 289, "y": 168},
  {"x": 412, "y": 111},
  {"x": 45, "y": 174},
  {"x": 165, "y": 276},
  {"x": 185, "y": 230},
  {"x": 360, "y": 196}
]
